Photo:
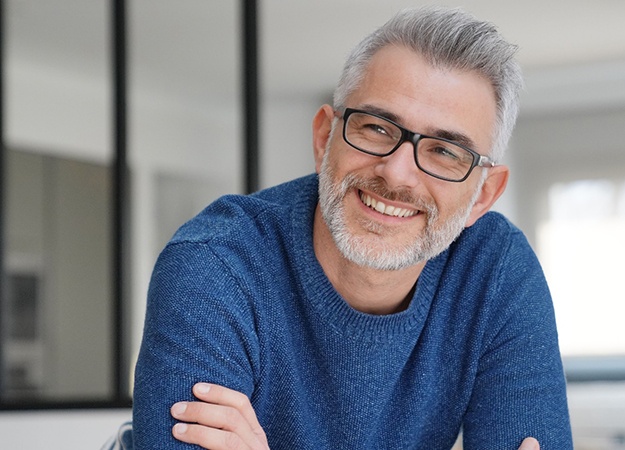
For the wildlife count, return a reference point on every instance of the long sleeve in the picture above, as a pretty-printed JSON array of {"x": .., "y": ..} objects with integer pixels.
[
  {"x": 198, "y": 328},
  {"x": 519, "y": 390}
]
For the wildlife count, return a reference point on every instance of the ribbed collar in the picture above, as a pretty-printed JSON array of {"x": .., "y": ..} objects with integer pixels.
[{"x": 330, "y": 306}]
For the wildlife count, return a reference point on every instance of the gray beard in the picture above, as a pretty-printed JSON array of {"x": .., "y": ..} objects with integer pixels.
[{"x": 362, "y": 250}]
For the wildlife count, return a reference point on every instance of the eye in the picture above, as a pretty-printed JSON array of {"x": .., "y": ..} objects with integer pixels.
[
  {"x": 370, "y": 127},
  {"x": 376, "y": 128},
  {"x": 445, "y": 151}
]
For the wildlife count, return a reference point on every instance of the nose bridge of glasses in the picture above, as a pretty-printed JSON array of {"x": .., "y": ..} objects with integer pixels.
[
  {"x": 414, "y": 137},
  {"x": 409, "y": 136}
]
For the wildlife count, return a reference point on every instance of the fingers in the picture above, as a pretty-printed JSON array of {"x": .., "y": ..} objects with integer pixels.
[
  {"x": 211, "y": 438},
  {"x": 529, "y": 444},
  {"x": 220, "y": 395},
  {"x": 223, "y": 419}
]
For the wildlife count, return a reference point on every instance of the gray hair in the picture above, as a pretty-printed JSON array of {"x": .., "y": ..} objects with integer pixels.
[{"x": 449, "y": 38}]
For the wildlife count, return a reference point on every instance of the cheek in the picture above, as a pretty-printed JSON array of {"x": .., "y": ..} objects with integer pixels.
[
  {"x": 344, "y": 160},
  {"x": 451, "y": 201}
]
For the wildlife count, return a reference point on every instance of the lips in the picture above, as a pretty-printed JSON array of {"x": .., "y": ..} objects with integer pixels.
[{"x": 385, "y": 209}]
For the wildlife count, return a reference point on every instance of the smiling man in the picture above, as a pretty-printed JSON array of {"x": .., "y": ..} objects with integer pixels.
[
  {"x": 376, "y": 304},
  {"x": 359, "y": 194}
]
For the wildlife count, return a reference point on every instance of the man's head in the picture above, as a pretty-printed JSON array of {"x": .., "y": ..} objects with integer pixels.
[
  {"x": 425, "y": 102},
  {"x": 448, "y": 38}
]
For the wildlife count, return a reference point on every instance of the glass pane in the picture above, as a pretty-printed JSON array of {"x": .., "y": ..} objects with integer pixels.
[
  {"x": 56, "y": 311},
  {"x": 581, "y": 247},
  {"x": 185, "y": 120},
  {"x": 299, "y": 69}
]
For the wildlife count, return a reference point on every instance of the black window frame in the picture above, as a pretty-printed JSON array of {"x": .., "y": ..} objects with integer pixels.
[{"x": 120, "y": 366}]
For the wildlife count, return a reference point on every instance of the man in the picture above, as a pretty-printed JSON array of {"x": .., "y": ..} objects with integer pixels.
[{"x": 378, "y": 305}]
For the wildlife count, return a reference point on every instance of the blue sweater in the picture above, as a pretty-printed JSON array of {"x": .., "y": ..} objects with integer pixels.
[{"x": 238, "y": 298}]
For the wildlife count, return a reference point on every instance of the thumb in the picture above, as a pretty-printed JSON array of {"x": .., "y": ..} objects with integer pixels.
[{"x": 529, "y": 444}]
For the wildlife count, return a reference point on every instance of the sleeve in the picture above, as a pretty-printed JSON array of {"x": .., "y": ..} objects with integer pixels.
[
  {"x": 199, "y": 327},
  {"x": 520, "y": 389}
]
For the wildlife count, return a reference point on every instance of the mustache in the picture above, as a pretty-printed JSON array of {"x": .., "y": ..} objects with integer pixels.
[{"x": 379, "y": 187}]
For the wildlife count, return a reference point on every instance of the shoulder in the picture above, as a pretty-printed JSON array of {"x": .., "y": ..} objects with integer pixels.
[
  {"x": 494, "y": 261},
  {"x": 492, "y": 226},
  {"x": 245, "y": 216},
  {"x": 492, "y": 239},
  {"x": 237, "y": 243},
  {"x": 502, "y": 273}
]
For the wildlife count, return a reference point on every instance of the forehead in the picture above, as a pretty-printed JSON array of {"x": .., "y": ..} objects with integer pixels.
[{"x": 427, "y": 98}]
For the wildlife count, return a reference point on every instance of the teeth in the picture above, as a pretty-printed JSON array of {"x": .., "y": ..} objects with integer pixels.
[{"x": 384, "y": 209}]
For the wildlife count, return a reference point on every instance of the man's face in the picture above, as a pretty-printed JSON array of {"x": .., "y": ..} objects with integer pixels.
[{"x": 383, "y": 212}]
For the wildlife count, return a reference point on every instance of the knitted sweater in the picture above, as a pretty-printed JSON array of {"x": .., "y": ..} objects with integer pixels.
[{"x": 239, "y": 299}]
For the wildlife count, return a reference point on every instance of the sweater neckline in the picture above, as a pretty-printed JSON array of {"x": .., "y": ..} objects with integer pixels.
[{"x": 326, "y": 301}]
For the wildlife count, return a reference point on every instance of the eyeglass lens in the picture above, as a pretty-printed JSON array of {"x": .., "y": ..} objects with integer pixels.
[{"x": 377, "y": 136}]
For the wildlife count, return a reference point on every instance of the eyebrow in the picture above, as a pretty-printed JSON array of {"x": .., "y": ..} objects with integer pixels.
[{"x": 450, "y": 135}]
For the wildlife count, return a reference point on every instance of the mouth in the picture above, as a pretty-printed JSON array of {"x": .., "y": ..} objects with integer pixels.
[{"x": 387, "y": 210}]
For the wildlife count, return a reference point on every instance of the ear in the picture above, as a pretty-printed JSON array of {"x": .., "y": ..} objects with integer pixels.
[
  {"x": 322, "y": 125},
  {"x": 493, "y": 187}
]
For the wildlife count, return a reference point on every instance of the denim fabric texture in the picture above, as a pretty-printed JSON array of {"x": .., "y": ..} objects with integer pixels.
[{"x": 238, "y": 298}]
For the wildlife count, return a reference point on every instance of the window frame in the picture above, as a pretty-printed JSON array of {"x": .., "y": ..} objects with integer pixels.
[{"x": 121, "y": 363}]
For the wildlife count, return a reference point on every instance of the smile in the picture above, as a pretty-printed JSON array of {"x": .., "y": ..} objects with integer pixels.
[{"x": 387, "y": 210}]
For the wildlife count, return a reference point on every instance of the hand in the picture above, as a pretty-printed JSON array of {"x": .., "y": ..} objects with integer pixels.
[
  {"x": 223, "y": 419},
  {"x": 529, "y": 444}
]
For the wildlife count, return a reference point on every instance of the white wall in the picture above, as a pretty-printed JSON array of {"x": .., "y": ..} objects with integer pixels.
[
  {"x": 286, "y": 137},
  {"x": 59, "y": 430}
]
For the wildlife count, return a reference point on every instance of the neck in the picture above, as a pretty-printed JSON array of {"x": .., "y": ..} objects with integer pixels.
[{"x": 364, "y": 289}]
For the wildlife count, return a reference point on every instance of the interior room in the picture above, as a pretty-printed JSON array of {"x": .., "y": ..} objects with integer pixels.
[{"x": 84, "y": 216}]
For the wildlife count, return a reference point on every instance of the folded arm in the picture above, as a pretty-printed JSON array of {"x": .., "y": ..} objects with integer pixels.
[{"x": 224, "y": 419}]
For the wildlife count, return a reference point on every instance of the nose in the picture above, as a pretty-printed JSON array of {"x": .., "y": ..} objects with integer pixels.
[{"x": 399, "y": 168}]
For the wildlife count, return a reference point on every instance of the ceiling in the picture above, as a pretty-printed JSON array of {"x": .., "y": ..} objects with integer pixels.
[
  {"x": 548, "y": 33},
  {"x": 189, "y": 46}
]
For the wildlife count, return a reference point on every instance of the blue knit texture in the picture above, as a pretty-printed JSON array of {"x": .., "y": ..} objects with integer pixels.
[{"x": 238, "y": 298}]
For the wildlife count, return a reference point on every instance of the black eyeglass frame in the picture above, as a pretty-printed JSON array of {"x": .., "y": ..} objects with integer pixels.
[{"x": 414, "y": 138}]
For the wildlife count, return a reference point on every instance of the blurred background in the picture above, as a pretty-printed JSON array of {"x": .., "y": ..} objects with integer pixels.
[{"x": 84, "y": 216}]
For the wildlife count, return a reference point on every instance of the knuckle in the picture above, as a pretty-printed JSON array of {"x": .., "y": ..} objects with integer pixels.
[
  {"x": 258, "y": 431},
  {"x": 232, "y": 416},
  {"x": 233, "y": 442},
  {"x": 242, "y": 403}
]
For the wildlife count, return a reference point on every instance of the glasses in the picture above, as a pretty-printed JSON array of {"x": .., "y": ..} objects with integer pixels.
[{"x": 438, "y": 157}]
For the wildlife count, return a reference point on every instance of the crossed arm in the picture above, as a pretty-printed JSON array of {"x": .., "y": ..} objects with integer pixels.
[{"x": 224, "y": 419}]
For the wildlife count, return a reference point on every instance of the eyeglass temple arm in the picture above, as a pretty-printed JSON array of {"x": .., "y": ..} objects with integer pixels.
[{"x": 485, "y": 161}]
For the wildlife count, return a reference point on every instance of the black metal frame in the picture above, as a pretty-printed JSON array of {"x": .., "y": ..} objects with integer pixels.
[
  {"x": 120, "y": 200},
  {"x": 120, "y": 191},
  {"x": 2, "y": 194},
  {"x": 251, "y": 97}
]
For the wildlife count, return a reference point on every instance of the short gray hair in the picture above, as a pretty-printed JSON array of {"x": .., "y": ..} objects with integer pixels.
[{"x": 450, "y": 38}]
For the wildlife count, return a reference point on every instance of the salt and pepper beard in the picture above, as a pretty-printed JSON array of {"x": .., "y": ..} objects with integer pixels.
[{"x": 366, "y": 250}]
